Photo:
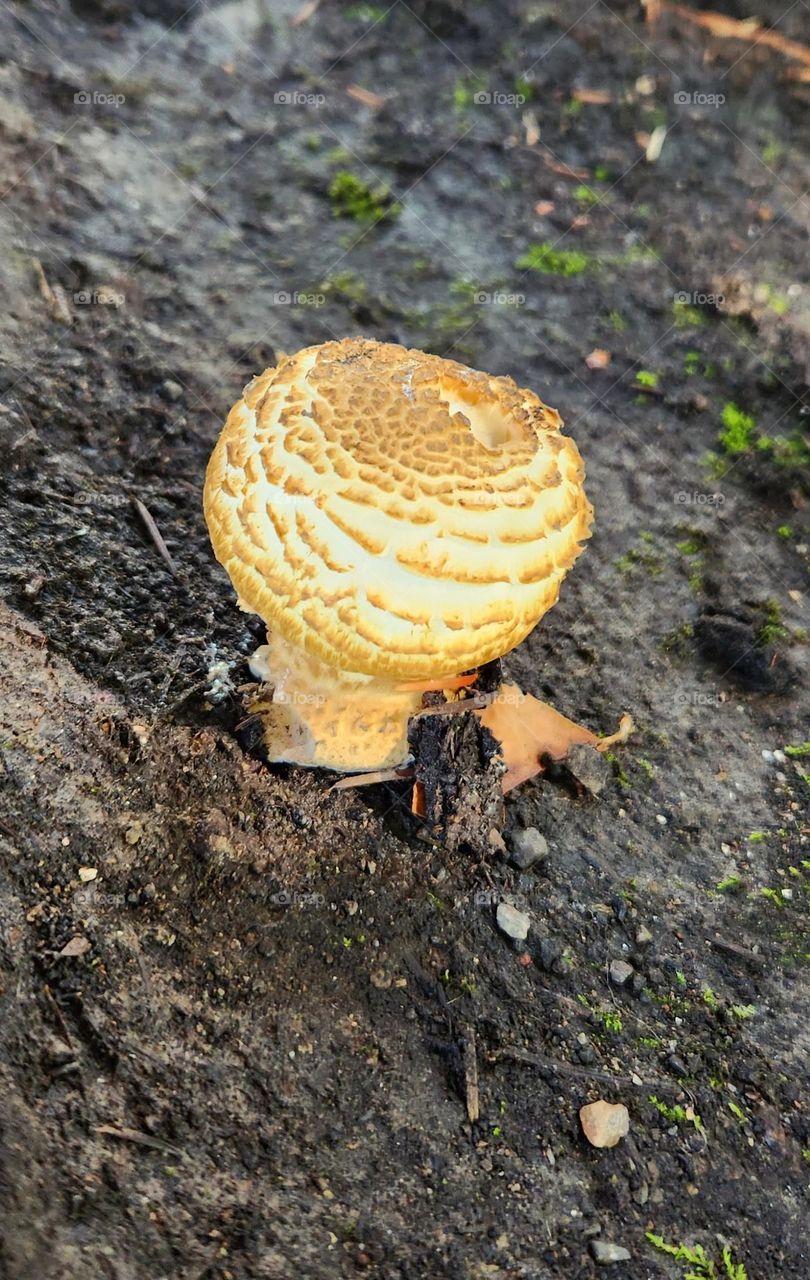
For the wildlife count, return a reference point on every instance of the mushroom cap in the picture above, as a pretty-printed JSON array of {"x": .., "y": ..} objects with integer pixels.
[{"x": 393, "y": 513}]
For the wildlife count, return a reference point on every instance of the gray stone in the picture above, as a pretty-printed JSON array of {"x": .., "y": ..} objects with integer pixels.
[
  {"x": 528, "y": 847},
  {"x": 550, "y": 953},
  {"x": 605, "y": 1252},
  {"x": 620, "y": 972},
  {"x": 514, "y": 923},
  {"x": 643, "y": 936},
  {"x": 589, "y": 767}
]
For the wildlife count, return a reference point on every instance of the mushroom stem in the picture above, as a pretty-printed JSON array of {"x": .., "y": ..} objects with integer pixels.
[{"x": 319, "y": 715}]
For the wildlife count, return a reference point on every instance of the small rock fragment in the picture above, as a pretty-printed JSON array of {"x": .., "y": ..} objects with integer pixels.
[
  {"x": 77, "y": 946},
  {"x": 15, "y": 120},
  {"x": 496, "y": 841},
  {"x": 598, "y": 359},
  {"x": 550, "y": 953},
  {"x": 620, "y": 972},
  {"x": 514, "y": 923},
  {"x": 589, "y": 767},
  {"x": 605, "y": 1252},
  {"x": 528, "y": 847},
  {"x": 604, "y": 1123},
  {"x": 643, "y": 936}
]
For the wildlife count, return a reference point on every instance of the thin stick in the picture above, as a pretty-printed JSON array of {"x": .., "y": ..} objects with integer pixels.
[
  {"x": 142, "y": 1139},
  {"x": 471, "y": 1074},
  {"x": 154, "y": 534},
  {"x": 366, "y": 779}
]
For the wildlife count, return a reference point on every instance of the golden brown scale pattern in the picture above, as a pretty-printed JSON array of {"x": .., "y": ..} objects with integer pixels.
[{"x": 394, "y": 513}]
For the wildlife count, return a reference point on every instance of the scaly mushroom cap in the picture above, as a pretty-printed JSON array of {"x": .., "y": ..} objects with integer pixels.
[{"x": 393, "y": 513}]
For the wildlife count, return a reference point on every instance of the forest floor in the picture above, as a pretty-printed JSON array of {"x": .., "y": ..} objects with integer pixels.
[{"x": 237, "y": 1009}]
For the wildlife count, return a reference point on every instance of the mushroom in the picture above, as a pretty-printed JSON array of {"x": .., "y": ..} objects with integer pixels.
[{"x": 396, "y": 519}]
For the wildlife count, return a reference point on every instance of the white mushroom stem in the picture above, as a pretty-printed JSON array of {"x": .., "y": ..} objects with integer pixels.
[{"x": 314, "y": 714}]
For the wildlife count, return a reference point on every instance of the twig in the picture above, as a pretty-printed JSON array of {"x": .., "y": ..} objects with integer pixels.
[
  {"x": 365, "y": 96},
  {"x": 142, "y": 1139},
  {"x": 154, "y": 534},
  {"x": 477, "y": 703},
  {"x": 304, "y": 13},
  {"x": 734, "y": 949},
  {"x": 366, "y": 779},
  {"x": 53, "y": 296},
  {"x": 471, "y": 1074},
  {"x": 553, "y": 1068}
]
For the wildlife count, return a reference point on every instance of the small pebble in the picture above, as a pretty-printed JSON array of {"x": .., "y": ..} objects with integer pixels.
[
  {"x": 620, "y": 972},
  {"x": 86, "y": 874},
  {"x": 514, "y": 923},
  {"x": 605, "y": 1252},
  {"x": 496, "y": 840},
  {"x": 643, "y": 936},
  {"x": 589, "y": 767},
  {"x": 660, "y": 819},
  {"x": 604, "y": 1123},
  {"x": 528, "y": 847},
  {"x": 550, "y": 953}
]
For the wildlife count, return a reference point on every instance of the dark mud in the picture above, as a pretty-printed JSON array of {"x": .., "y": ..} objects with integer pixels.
[{"x": 250, "y": 1061}]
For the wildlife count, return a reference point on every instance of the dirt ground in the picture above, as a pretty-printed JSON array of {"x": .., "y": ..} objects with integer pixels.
[{"x": 237, "y": 1010}]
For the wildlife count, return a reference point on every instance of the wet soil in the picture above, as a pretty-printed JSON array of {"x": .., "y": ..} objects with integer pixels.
[{"x": 236, "y": 1007}]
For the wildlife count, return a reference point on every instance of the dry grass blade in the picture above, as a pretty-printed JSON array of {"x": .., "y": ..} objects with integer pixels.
[
  {"x": 749, "y": 29},
  {"x": 365, "y": 96},
  {"x": 368, "y": 779},
  {"x": 304, "y": 13}
]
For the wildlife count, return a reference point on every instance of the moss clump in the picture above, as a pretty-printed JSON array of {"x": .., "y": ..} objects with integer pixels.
[
  {"x": 353, "y": 198},
  {"x": 554, "y": 262},
  {"x": 585, "y": 195},
  {"x": 366, "y": 12},
  {"x": 773, "y": 627},
  {"x": 738, "y": 431},
  {"x": 729, "y": 884},
  {"x": 646, "y": 557},
  {"x": 646, "y": 378},
  {"x": 345, "y": 286},
  {"x": 677, "y": 1114},
  {"x": 611, "y": 1020},
  {"x": 685, "y": 316},
  {"x": 701, "y": 1267}
]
